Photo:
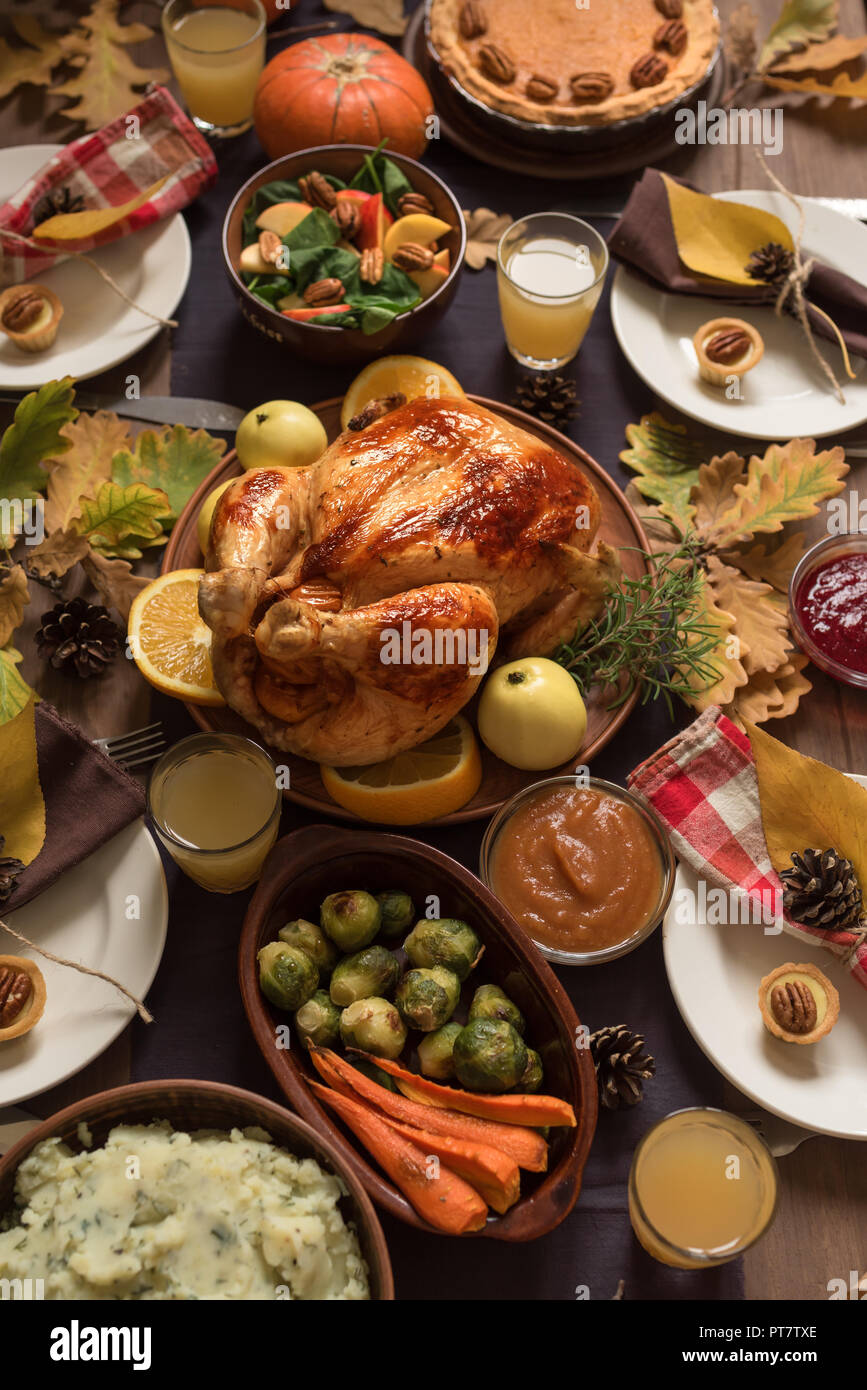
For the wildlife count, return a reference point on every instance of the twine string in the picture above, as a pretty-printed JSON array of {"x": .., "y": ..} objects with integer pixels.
[
  {"x": 88, "y": 260},
  {"x": 143, "y": 1012}
]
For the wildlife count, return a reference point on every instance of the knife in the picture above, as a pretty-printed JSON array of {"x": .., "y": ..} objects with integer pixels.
[{"x": 163, "y": 410}]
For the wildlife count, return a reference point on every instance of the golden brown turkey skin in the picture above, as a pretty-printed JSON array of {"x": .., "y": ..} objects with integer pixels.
[{"x": 440, "y": 517}]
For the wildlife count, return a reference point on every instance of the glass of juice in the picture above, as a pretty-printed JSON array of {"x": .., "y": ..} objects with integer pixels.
[
  {"x": 702, "y": 1188},
  {"x": 550, "y": 272},
  {"x": 215, "y": 804},
  {"x": 217, "y": 52}
]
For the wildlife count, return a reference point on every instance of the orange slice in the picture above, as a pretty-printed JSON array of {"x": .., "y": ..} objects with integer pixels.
[{"x": 169, "y": 642}]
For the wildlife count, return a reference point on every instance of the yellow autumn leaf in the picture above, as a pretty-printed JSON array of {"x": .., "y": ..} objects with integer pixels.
[
  {"x": 78, "y": 473},
  {"x": 771, "y": 694},
  {"x": 33, "y": 64},
  {"x": 821, "y": 57},
  {"x": 73, "y": 226},
  {"x": 800, "y": 22},
  {"x": 728, "y": 670},
  {"x": 850, "y": 89},
  {"x": 787, "y": 484},
  {"x": 762, "y": 629},
  {"x": 717, "y": 238},
  {"x": 714, "y": 493},
  {"x": 22, "y": 807},
  {"x": 807, "y": 805},
  {"x": 103, "y": 87},
  {"x": 773, "y": 566},
  {"x": 14, "y": 597}
]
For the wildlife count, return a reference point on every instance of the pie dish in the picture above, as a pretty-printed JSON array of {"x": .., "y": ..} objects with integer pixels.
[
  {"x": 727, "y": 347},
  {"x": 798, "y": 1003},
  {"x": 556, "y": 64}
]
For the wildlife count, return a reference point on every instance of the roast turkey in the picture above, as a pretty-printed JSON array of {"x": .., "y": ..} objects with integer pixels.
[{"x": 356, "y": 604}]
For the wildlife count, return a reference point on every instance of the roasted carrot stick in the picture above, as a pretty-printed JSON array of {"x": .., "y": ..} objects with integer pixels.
[
  {"x": 525, "y": 1146},
  {"x": 493, "y": 1174},
  {"x": 441, "y": 1197},
  {"x": 535, "y": 1111}
]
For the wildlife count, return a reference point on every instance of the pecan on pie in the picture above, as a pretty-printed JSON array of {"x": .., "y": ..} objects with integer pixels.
[{"x": 553, "y": 62}]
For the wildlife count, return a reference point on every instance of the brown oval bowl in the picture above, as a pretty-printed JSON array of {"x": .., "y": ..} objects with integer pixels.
[
  {"x": 190, "y": 1105},
  {"x": 301, "y": 870},
  {"x": 317, "y": 341}
]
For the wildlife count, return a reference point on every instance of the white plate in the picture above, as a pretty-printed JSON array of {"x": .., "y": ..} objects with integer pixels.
[
  {"x": 83, "y": 916},
  {"x": 714, "y": 973},
  {"x": 98, "y": 328},
  {"x": 786, "y": 395}
]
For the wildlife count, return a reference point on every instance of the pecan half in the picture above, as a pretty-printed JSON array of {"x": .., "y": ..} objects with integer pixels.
[
  {"x": 472, "y": 22},
  {"x": 672, "y": 9},
  {"x": 347, "y": 215},
  {"x": 413, "y": 256},
  {"x": 496, "y": 64},
  {"x": 270, "y": 247},
  {"x": 672, "y": 35},
  {"x": 22, "y": 311},
  {"x": 728, "y": 345},
  {"x": 794, "y": 1006},
  {"x": 414, "y": 202},
  {"x": 317, "y": 191},
  {"x": 541, "y": 88},
  {"x": 372, "y": 265},
  {"x": 648, "y": 71},
  {"x": 16, "y": 988},
  {"x": 323, "y": 292},
  {"x": 374, "y": 410},
  {"x": 591, "y": 86}
]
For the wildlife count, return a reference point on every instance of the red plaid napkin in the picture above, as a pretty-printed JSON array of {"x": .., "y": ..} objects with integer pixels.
[
  {"x": 108, "y": 169},
  {"x": 703, "y": 784}
]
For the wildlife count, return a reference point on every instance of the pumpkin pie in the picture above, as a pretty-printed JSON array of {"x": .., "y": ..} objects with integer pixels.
[
  {"x": 798, "y": 1003},
  {"x": 558, "y": 62}
]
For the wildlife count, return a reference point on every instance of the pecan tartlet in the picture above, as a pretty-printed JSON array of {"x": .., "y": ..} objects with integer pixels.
[
  {"x": 30, "y": 315},
  {"x": 22, "y": 996},
  {"x": 727, "y": 348},
  {"x": 798, "y": 1003}
]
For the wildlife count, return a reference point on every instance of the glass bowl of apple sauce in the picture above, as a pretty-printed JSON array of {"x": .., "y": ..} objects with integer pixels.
[{"x": 585, "y": 868}]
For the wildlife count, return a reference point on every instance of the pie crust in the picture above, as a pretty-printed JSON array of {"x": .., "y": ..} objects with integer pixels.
[
  {"x": 34, "y": 1006},
  {"x": 825, "y": 996},
  {"x": 39, "y": 335},
  {"x": 719, "y": 373},
  {"x": 546, "y": 44}
]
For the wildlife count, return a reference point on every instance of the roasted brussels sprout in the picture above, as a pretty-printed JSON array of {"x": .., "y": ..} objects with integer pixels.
[
  {"x": 375, "y": 1073},
  {"x": 318, "y": 1021},
  {"x": 397, "y": 911},
  {"x": 313, "y": 942},
  {"x": 489, "y": 1001},
  {"x": 428, "y": 998},
  {"x": 435, "y": 1052},
  {"x": 373, "y": 971},
  {"x": 287, "y": 976},
  {"x": 350, "y": 919},
  {"x": 444, "y": 941},
  {"x": 489, "y": 1055},
  {"x": 532, "y": 1077},
  {"x": 374, "y": 1026}
]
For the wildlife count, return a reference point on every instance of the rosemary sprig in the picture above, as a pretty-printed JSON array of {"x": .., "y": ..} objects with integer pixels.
[{"x": 653, "y": 634}]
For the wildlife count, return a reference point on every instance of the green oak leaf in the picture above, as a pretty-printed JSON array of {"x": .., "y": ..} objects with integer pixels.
[
  {"x": 801, "y": 22},
  {"x": 173, "y": 460},
  {"x": 34, "y": 435},
  {"x": 666, "y": 460},
  {"x": 118, "y": 520},
  {"x": 14, "y": 690}
]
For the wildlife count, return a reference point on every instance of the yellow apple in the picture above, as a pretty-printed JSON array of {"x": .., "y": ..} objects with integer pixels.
[
  {"x": 282, "y": 218},
  {"x": 203, "y": 521},
  {"x": 416, "y": 226},
  {"x": 254, "y": 263},
  {"x": 280, "y": 434}
]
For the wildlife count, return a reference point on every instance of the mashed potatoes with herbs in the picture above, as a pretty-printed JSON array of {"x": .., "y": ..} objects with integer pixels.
[{"x": 158, "y": 1214}]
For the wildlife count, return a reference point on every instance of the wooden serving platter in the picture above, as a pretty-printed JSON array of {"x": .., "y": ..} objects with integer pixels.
[
  {"x": 307, "y": 865},
  {"x": 619, "y": 526}
]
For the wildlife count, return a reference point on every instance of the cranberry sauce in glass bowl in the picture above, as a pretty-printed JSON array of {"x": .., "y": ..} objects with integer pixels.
[{"x": 828, "y": 607}]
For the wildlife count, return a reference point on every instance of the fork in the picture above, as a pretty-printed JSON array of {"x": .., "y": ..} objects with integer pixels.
[
  {"x": 780, "y": 1136},
  {"x": 136, "y": 748}
]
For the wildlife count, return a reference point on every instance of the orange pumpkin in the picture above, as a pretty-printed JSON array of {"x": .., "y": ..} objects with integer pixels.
[{"x": 343, "y": 89}]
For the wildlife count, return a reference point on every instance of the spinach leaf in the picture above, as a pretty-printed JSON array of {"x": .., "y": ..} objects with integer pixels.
[
  {"x": 317, "y": 230},
  {"x": 321, "y": 263},
  {"x": 269, "y": 288},
  {"x": 280, "y": 191},
  {"x": 379, "y": 174}
]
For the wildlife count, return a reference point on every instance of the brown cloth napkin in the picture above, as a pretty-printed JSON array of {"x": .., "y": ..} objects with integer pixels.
[
  {"x": 88, "y": 799},
  {"x": 644, "y": 240}
]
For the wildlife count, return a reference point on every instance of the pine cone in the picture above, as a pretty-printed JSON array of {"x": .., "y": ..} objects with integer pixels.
[
  {"x": 78, "y": 637},
  {"x": 772, "y": 263},
  {"x": 621, "y": 1065},
  {"x": 53, "y": 204},
  {"x": 547, "y": 396},
  {"x": 822, "y": 890},
  {"x": 9, "y": 870}
]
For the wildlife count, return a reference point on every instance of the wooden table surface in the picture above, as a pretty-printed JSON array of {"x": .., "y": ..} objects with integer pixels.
[{"x": 821, "y": 1227}]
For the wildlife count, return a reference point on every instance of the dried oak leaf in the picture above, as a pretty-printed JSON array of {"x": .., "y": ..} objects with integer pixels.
[
  {"x": 667, "y": 461},
  {"x": 33, "y": 64},
  {"x": 95, "y": 439},
  {"x": 725, "y": 659},
  {"x": 843, "y": 86},
  {"x": 801, "y": 22},
  {"x": 58, "y": 554},
  {"x": 772, "y": 566},
  {"x": 786, "y": 484},
  {"x": 740, "y": 37},
  {"x": 822, "y": 57},
  {"x": 385, "y": 16},
  {"x": 771, "y": 695},
  {"x": 107, "y": 77},
  {"x": 761, "y": 628},
  {"x": 113, "y": 580},
  {"x": 714, "y": 493},
  {"x": 484, "y": 229},
  {"x": 14, "y": 597}
]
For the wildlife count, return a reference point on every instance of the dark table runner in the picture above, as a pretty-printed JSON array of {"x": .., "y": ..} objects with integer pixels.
[{"x": 201, "y": 1030}]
